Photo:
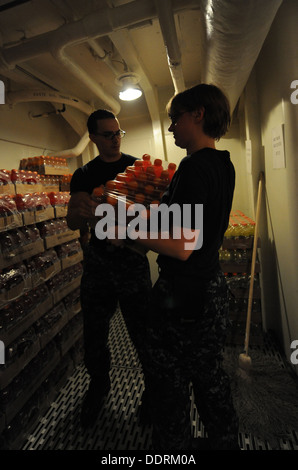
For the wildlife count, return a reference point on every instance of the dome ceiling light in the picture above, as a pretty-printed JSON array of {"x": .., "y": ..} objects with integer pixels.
[{"x": 129, "y": 86}]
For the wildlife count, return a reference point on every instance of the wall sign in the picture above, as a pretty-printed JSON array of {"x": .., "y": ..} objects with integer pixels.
[
  {"x": 248, "y": 156},
  {"x": 278, "y": 148}
]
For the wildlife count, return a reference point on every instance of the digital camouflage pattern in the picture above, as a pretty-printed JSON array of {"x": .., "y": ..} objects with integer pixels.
[
  {"x": 186, "y": 331},
  {"x": 111, "y": 276}
]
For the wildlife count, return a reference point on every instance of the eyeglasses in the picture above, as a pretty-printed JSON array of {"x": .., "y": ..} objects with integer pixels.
[
  {"x": 110, "y": 135},
  {"x": 175, "y": 117}
]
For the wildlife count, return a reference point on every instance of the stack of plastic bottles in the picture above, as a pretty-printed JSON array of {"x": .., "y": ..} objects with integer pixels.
[
  {"x": 240, "y": 226},
  {"x": 7, "y": 205},
  {"x": 143, "y": 183},
  {"x": 41, "y": 163},
  {"x": 241, "y": 229}
]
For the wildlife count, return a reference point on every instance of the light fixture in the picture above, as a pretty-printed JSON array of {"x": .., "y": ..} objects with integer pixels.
[{"x": 129, "y": 86}]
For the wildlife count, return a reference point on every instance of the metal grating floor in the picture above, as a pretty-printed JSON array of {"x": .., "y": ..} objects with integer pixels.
[{"x": 118, "y": 426}]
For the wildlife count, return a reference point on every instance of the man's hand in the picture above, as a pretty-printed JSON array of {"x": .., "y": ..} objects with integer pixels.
[
  {"x": 81, "y": 209},
  {"x": 85, "y": 206}
]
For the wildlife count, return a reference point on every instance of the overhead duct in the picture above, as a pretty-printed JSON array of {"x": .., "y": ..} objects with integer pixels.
[
  {"x": 234, "y": 34},
  {"x": 168, "y": 29},
  {"x": 234, "y": 31}
]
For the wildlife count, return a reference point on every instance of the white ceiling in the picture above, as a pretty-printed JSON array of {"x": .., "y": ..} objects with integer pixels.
[{"x": 79, "y": 47}]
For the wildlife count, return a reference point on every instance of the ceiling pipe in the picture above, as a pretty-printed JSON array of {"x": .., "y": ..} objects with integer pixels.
[
  {"x": 14, "y": 97},
  {"x": 168, "y": 29},
  {"x": 234, "y": 35},
  {"x": 53, "y": 97},
  {"x": 103, "y": 55},
  {"x": 231, "y": 33},
  {"x": 99, "y": 23},
  {"x": 96, "y": 24},
  {"x": 116, "y": 18},
  {"x": 73, "y": 152},
  {"x": 88, "y": 81}
]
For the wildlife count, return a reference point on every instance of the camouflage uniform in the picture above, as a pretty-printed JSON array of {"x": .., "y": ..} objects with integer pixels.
[
  {"x": 110, "y": 276},
  {"x": 186, "y": 332}
]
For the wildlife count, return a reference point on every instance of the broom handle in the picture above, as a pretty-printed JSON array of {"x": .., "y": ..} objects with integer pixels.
[{"x": 253, "y": 263}]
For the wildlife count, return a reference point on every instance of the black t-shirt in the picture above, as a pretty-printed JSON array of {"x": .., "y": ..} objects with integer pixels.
[
  {"x": 206, "y": 177},
  {"x": 95, "y": 173}
]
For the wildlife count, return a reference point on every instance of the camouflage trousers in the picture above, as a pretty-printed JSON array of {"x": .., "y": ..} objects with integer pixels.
[
  {"x": 112, "y": 277},
  {"x": 186, "y": 331}
]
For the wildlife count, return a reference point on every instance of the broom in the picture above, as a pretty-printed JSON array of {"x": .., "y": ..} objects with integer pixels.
[{"x": 244, "y": 360}]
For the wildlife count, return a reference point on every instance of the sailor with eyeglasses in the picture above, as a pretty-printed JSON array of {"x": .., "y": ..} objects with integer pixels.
[{"x": 112, "y": 275}]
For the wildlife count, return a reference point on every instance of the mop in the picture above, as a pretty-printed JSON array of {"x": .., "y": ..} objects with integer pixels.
[
  {"x": 245, "y": 362},
  {"x": 264, "y": 388}
]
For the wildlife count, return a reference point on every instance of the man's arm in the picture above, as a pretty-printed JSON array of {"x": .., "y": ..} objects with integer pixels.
[{"x": 81, "y": 209}]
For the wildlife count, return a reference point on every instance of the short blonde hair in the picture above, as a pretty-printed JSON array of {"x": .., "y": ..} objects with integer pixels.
[{"x": 216, "y": 107}]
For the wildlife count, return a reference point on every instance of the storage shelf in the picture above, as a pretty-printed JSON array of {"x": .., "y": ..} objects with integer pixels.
[
  {"x": 238, "y": 267},
  {"x": 239, "y": 243},
  {"x": 239, "y": 294},
  {"x": 70, "y": 312}
]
